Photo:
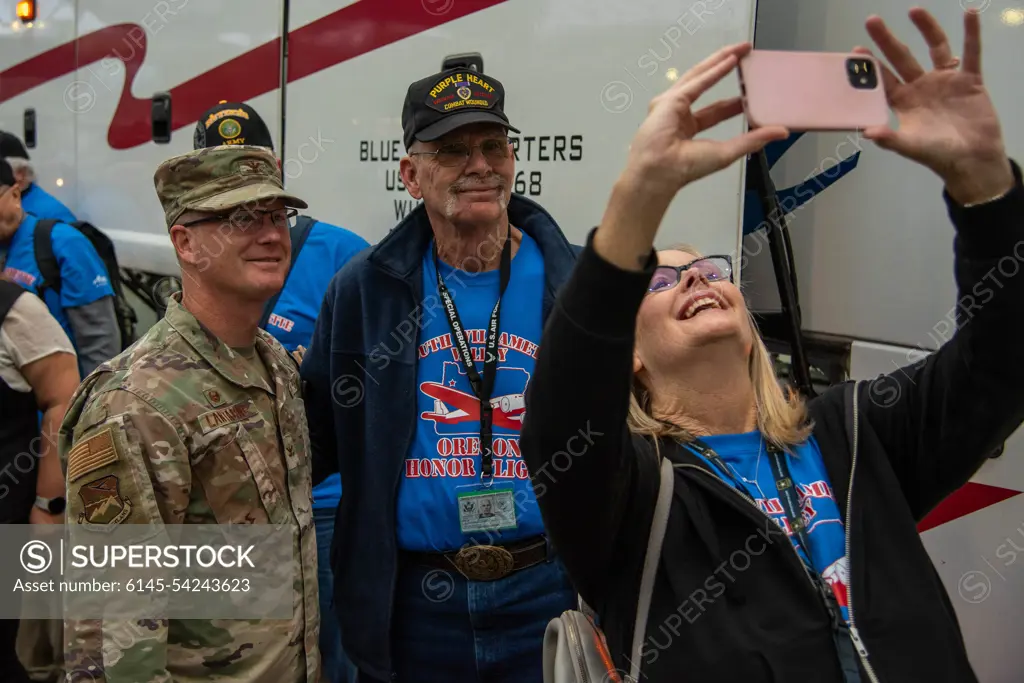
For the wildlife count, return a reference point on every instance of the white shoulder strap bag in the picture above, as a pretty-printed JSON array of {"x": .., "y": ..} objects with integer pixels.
[{"x": 575, "y": 650}]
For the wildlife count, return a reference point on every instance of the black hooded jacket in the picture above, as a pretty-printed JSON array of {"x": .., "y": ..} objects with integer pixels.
[{"x": 731, "y": 600}]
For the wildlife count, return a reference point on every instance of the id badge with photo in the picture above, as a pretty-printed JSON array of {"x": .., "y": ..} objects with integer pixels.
[{"x": 486, "y": 507}]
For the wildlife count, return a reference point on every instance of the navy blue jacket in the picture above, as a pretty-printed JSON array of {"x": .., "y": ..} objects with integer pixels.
[{"x": 359, "y": 385}]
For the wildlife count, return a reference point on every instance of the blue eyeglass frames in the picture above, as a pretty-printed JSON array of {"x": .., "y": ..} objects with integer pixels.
[{"x": 713, "y": 268}]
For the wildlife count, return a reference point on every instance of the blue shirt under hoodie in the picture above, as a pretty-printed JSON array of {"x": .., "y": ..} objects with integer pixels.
[
  {"x": 444, "y": 458},
  {"x": 747, "y": 455},
  {"x": 326, "y": 250}
]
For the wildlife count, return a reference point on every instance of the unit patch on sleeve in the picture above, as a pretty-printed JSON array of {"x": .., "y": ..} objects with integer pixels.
[
  {"x": 236, "y": 412},
  {"x": 90, "y": 455},
  {"x": 102, "y": 502}
]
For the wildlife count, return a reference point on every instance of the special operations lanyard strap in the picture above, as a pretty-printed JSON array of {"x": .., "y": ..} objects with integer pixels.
[
  {"x": 715, "y": 459},
  {"x": 790, "y": 503},
  {"x": 482, "y": 388},
  {"x": 784, "y": 484}
]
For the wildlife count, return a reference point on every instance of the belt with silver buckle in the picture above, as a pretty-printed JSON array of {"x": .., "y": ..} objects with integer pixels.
[{"x": 486, "y": 562}]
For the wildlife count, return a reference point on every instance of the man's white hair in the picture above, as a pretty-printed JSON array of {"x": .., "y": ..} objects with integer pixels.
[{"x": 19, "y": 164}]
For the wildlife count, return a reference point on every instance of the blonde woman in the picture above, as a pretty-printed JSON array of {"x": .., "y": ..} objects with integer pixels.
[{"x": 652, "y": 355}]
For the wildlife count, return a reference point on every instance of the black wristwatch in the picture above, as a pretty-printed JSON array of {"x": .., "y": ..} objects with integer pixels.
[{"x": 54, "y": 506}]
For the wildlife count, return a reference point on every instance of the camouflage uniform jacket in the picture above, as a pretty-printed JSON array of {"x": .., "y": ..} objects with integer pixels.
[{"x": 176, "y": 430}]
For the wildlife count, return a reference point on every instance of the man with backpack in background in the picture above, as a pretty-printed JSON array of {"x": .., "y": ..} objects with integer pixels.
[
  {"x": 40, "y": 642},
  {"x": 66, "y": 271},
  {"x": 34, "y": 199},
  {"x": 319, "y": 250}
]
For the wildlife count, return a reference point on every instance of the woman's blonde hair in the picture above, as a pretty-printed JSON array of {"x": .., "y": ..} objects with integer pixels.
[{"x": 781, "y": 417}]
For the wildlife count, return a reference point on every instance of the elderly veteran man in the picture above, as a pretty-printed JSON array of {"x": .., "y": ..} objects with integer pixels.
[{"x": 201, "y": 422}]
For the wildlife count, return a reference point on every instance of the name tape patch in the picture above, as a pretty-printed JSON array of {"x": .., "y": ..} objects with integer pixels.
[{"x": 235, "y": 412}]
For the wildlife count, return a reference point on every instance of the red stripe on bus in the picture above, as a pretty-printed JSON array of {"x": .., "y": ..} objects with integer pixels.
[{"x": 335, "y": 38}]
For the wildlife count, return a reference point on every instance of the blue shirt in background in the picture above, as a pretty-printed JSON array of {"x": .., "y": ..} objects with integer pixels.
[
  {"x": 326, "y": 250},
  {"x": 747, "y": 454},
  {"x": 41, "y": 204},
  {"x": 445, "y": 454},
  {"x": 83, "y": 274}
]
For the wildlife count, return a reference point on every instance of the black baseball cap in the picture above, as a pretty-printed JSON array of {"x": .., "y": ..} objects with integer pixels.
[
  {"x": 11, "y": 146},
  {"x": 438, "y": 104},
  {"x": 7, "y": 178},
  {"x": 231, "y": 123}
]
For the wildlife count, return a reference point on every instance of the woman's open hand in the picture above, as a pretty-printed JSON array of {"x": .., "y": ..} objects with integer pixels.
[
  {"x": 947, "y": 121},
  {"x": 666, "y": 155}
]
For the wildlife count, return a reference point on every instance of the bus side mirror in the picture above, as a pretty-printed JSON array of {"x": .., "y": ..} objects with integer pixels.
[{"x": 161, "y": 118}]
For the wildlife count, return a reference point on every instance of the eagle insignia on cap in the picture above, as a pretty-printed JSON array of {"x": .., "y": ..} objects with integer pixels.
[
  {"x": 253, "y": 166},
  {"x": 464, "y": 92}
]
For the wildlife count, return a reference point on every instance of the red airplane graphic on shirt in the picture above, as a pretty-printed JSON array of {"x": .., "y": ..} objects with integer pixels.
[{"x": 508, "y": 409}]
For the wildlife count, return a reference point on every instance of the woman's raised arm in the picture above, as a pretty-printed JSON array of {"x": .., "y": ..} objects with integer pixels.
[{"x": 574, "y": 438}]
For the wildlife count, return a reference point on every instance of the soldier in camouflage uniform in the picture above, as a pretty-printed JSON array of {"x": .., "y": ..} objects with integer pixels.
[{"x": 202, "y": 422}]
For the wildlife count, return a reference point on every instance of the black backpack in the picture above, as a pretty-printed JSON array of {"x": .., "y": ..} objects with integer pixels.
[
  {"x": 299, "y": 232},
  {"x": 47, "y": 262}
]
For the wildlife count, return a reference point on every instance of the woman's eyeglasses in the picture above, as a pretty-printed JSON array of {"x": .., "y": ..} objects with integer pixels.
[
  {"x": 457, "y": 153},
  {"x": 713, "y": 268}
]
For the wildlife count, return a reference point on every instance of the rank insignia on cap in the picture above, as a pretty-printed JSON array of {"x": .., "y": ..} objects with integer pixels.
[
  {"x": 103, "y": 503},
  {"x": 229, "y": 128},
  {"x": 214, "y": 397},
  {"x": 254, "y": 166},
  {"x": 461, "y": 91}
]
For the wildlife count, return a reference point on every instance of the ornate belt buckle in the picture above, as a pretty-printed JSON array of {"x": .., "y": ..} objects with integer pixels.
[{"x": 484, "y": 562}]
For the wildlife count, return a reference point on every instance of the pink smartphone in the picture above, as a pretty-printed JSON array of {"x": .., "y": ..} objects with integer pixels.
[{"x": 807, "y": 91}]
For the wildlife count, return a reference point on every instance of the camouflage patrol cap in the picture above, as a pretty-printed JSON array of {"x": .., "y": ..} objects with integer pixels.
[{"x": 218, "y": 179}]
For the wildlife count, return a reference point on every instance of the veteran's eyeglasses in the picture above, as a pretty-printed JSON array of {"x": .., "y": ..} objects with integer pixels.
[
  {"x": 495, "y": 150},
  {"x": 713, "y": 268},
  {"x": 246, "y": 218}
]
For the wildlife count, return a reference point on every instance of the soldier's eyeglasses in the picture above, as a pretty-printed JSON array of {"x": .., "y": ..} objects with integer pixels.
[
  {"x": 713, "y": 268},
  {"x": 495, "y": 150},
  {"x": 246, "y": 218}
]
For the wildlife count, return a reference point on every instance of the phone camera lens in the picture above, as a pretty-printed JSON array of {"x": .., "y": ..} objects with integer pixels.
[{"x": 861, "y": 73}]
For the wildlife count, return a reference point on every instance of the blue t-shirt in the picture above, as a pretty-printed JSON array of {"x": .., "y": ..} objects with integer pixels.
[
  {"x": 747, "y": 454},
  {"x": 42, "y": 204},
  {"x": 445, "y": 455},
  {"x": 326, "y": 250},
  {"x": 83, "y": 275}
]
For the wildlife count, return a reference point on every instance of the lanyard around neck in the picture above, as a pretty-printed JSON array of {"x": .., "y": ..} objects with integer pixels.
[
  {"x": 790, "y": 505},
  {"x": 783, "y": 482},
  {"x": 483, "y": 388}
]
